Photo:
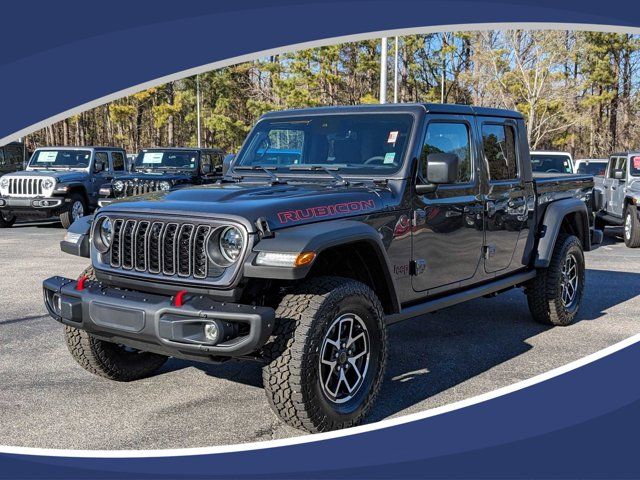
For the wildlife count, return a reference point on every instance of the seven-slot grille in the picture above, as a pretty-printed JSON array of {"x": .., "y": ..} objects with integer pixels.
[
  {"x": 25, "y": 186},
  {"x": 132, "y": 188},
  {"x": 162, "y": 248}
]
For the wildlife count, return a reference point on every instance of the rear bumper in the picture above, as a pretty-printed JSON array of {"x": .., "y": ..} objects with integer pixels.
[{"x": 153, "y": 323}]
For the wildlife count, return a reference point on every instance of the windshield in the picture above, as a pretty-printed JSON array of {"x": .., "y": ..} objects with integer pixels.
[
  {"x": 161, "y": 160},
  {"x": 550, "y": 163},
  {"x": 60, "y": 159},
  {"x": 592, "y": 168},
  {"x": 358, "y": 144},
  {"x": 634, "y": 166}
]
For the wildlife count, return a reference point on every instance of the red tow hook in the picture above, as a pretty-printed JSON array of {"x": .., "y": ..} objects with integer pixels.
[
  {"x": 81, "y": 281},
  {"x": 179, "y": 300}
]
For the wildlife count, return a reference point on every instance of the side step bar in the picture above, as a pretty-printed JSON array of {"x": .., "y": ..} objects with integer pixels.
[{"x": 459, "y": 297}]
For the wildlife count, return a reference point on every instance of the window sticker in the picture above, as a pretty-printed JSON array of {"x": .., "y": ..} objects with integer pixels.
[
  {"x": 636, "y": 163},
  {"x": 393, "y": 136},
  {"x": 389, "y": 157},
  {"x": 47, "y": 157},
  {"x": 152, "y": 157}
]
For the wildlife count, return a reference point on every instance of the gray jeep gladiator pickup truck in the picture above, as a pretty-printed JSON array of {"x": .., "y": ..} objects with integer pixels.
[
  {"x": 620, "y": 187},
  {"x": 331, "y": 224},
  {"x": 59, "y": 181}
]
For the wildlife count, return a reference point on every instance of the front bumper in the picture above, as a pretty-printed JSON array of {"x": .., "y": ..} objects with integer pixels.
[
  {"x": 153, "y": 323},
  {"x": 32, "y": 205}
]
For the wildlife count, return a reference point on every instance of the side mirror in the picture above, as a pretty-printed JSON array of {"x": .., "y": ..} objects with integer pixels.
[
  {"x": 618, "y": 175},
  {"x": 227, "y": 162},
  {"x": 206, "y": 169},
  {"x": 441, "y": 168}
]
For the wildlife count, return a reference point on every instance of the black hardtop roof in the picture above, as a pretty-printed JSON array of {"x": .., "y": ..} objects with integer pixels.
[
  {"x": 183, "y": 149},
  {"x": 399, "y": 108},
  {"x": 627, "y": 153},
  {"x": 88, "y": 147}
]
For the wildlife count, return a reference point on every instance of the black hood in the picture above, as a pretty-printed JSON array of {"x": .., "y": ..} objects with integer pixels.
[
  {"x": 169, "y": 176},
  {"x": 281, "y": 205}
]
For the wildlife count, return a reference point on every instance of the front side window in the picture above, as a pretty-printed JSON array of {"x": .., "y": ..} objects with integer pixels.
[
  {"x": 499, "y": 144},
  {"x": 448, "y": 138},
  {"x": 60, "y": 159},
  {"x": 612, "y": 167},
  {"x": 118, "y": 161},
  {"x": 634, "y": 165},
  {"x": 359, "y": 144}
]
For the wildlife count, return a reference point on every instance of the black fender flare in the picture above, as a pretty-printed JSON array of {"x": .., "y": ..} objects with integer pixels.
[
  {"x": 318, "y": 237},
  {"x": 76, "y": 241},
  {"x": 550, "y": 227}
]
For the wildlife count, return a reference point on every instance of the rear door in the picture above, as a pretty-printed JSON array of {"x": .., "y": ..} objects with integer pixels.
[
  {"x": 506, "y": 199},
  {"x": 118, "y": 163}
]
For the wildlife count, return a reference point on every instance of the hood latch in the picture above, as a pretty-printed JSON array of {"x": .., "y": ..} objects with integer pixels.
[{"x": 263, "y": 228}]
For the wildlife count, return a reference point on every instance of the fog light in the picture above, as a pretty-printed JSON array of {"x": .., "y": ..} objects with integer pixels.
[{"x": 212, "y": 332}]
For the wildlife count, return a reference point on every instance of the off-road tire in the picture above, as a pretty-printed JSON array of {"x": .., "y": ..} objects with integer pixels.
[
  {"x": 66, "y": 217},
  {"x": 7, "y": 222},
  {"x": 544, "y": 292},
  {"x": 632, "y": 237},
  {"x": 291, "y": 377},
  {"x": 107, "y": 359}
]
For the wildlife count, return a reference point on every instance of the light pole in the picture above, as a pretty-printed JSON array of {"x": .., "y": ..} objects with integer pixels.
[
  {"x": 198, "y": 108},
  {"x": 395, "y": 72},
  {"x": 383, "y": 71}
]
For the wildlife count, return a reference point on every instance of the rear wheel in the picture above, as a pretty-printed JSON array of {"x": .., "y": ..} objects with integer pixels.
[
  {"x": 110, "y": 360},
  {"x": 631, "y": 227},
  {"x": 7, "y": 220},
  {"x": 77, "y": 209},
  {"x": 327, "y": 356},
  {"x": 555, "y": 295}
]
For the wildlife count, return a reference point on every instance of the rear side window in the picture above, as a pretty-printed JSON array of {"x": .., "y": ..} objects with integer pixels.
[
  {"x": 118, "y": 161},
  {"x": 452, "y": 138},
  {"x": 499, "y": 144}
]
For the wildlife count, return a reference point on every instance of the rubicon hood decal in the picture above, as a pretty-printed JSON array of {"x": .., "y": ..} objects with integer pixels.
[{"x": 298, "y": 215}]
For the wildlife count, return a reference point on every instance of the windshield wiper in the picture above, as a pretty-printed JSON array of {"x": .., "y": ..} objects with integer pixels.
[
  {"x": 272, "y": 176},
  {"x": 321, "y": 168}
]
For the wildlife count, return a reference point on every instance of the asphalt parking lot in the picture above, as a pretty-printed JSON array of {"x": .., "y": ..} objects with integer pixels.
[{"x": 47, "y": 400}]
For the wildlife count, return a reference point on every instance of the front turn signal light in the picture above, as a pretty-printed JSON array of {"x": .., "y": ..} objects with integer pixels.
[{"x": 305, "y": 258}]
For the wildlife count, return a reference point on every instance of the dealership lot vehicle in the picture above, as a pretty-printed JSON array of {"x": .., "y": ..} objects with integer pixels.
[
  {"x": 59, "y": 181},
  {"x": 387, "y": 213},
  {"x": 591, "y": 166},
  {"x": 164, "y": 169},
  {"x": 12, "y": 157},
  {"x": 552, "y": 162},
  {"x": 620, "y": 187}
]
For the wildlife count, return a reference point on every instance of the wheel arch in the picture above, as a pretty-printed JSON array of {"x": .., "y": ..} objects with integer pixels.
[
  {"x": 569, "y": 216},
  {"x": 344, "y": 248}
]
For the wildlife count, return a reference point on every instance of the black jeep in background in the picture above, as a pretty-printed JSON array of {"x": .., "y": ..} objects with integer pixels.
[
  {"x": 165, "y": 169},
  {"x": 13, "y": 157},
  {"x": 331, "y": 224}
]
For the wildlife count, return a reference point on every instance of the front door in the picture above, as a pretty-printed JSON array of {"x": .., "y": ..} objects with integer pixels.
[
  {"x": 101, "y": 175},
  {"x": 448, "y": 223},
  {"x": 617, "y": 187},
  {"x": 506, "y": 201}
]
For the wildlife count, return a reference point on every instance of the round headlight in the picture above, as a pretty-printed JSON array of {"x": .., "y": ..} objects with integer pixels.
[
  {"x": 118, "y": 185},
  {"x": 231, "y": 243},
  {"x": 164, "y": 185},
  {"x": 47, "y": 184},
  {"x": 103, "y": 234},
  {"x": 4, "y": 182}
]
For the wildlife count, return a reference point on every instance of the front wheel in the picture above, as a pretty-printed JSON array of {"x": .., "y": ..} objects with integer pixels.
[
  {"x": 7, "y": 220},
  {"x": 555, "y": 294},
  {"x": 631, "y": 227},
  {"x": 77, "y": 209},
  {"x": 327, "y": 356}
]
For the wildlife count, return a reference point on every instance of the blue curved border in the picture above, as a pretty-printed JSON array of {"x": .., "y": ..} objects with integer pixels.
[{"x": 57, "y": 55}]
